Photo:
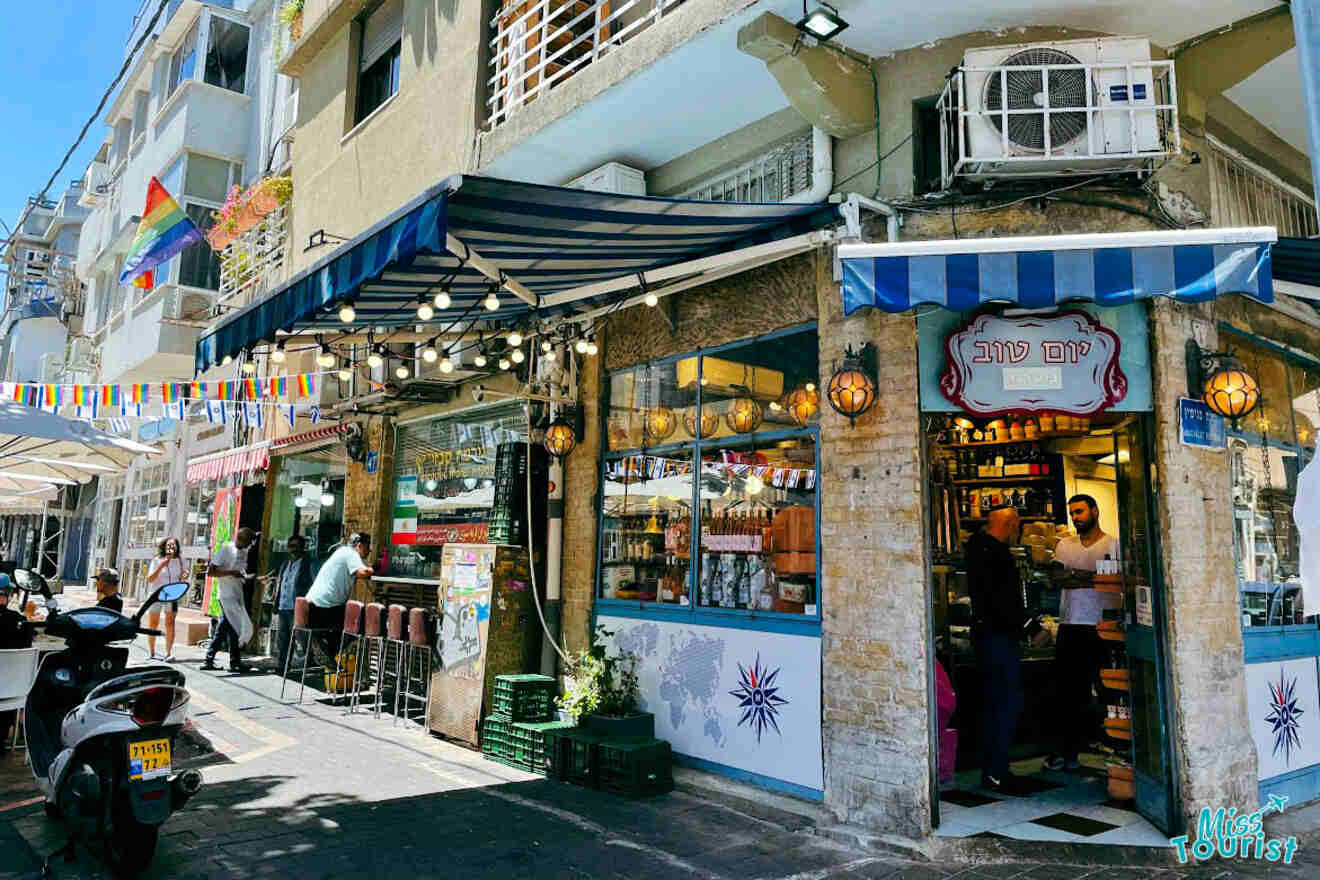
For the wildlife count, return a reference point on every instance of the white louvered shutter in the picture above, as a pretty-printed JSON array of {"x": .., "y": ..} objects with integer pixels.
[{"x": 382, "y": 29}]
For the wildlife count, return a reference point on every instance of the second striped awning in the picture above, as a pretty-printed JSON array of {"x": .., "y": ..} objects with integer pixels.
[{"x": 1043, "y": 271}]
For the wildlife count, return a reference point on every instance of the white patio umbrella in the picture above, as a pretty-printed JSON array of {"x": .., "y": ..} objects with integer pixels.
[{"x": 37, "y": 446}]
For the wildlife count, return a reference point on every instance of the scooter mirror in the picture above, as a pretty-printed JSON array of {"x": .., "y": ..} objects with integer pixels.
[{"x": 168, "y": 593}]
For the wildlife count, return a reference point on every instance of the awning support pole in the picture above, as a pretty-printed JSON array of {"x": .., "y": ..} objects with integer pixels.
[{"x": 490, "y": 270}]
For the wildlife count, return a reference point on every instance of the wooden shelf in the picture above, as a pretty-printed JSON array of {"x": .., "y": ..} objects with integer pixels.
[
  {"x": 1028, "y": 479},
  {"x": 1054, "y": 436},
  {"x": 1022, "y": 518}
]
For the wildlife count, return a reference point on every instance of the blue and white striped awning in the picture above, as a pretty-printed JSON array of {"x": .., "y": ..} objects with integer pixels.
[
  {"x": 1042, "y": 271},
  {"x": 557, "y": 250}
]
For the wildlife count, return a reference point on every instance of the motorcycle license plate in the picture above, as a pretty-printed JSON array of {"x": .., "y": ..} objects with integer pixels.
[{"x": 148, "y": 759}]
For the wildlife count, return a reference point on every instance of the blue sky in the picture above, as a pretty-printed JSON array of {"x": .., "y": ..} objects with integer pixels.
[{"x": 56, "y": 58}]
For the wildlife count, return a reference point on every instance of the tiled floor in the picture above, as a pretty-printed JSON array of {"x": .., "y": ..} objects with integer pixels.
[{"x": 1069, "y": 807}]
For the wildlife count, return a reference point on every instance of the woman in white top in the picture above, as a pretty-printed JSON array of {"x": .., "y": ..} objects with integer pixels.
[{"x": 166, "y": 568}]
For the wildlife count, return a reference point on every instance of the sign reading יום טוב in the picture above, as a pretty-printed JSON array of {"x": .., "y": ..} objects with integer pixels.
[{"x": 1066, "y": 362}]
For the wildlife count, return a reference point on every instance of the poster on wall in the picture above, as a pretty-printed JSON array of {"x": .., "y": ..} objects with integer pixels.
[
  {"x": 1283, "y": 708},
  {"x": 223, "y": 526},
  {"x": 740, "y": 698},
  {"x": 1066, "y": 362}
]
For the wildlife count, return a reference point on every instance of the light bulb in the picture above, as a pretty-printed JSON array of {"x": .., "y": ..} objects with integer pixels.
[
  {"x": 705, "y": 381},
  {"x": 277, "y": 356},
  {"x": 581, "y": 346},
  {"x": 652, "y": 300},
  {"x": 347, "y": 313},
  {"x": 429, "y": 354},
  {"x": 324, "y": 358},
  {"x": 518, "y": 356},
  {"x": 811, "y": 386},
  {"x": 546, "y": 346},
  {"x": 345, "y": 374},
  {"x": 249, "y": 367},
  {"x": 515, "y": 339},
  {"x": 401, "y": 371},
  {"x": 327, "y": 499},
  {"x": 774, "y": 405},
  {"x": 550, "y": 355},
  {"x": 504, "y": 363},
  {"x": 492, "y": 302},
  {"x": 300, "y": 501},
  {"x": 374, "y": 360},
  {"x": 227, "y": 361},
  {"x": 479, "y": 360},
  {"x": 425, "y": 312},
  {"x": 753, "y": 486},
  {"x": 431, "y": 485},
  {"x": 592, "y": 348},
  {"x": 442, "y": 300},
  {"x": 447, "y": 365}
]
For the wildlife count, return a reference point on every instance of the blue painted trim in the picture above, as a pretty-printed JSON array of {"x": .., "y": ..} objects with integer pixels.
[
  {"x": 1265, "y": 644},
  {"x": 766, "y": 782},
  {"x": 1273, "y": 346},
  {"x": 1299, "y": 786},
  {"x": 786, "y": 624}
]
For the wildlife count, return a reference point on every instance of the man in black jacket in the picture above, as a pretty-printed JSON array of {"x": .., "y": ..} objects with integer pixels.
[
  {"x": 999, "y": 624},
  {"x": 15, "y": 632}
]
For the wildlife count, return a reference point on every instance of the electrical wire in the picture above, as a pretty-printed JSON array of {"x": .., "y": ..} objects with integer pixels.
[{"x": 105, "y": 97}]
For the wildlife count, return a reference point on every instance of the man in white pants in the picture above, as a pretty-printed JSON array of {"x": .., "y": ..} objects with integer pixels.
[{"x": 235, "y": 626}]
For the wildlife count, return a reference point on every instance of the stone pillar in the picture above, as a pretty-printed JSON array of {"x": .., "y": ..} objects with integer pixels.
[
  {"x": 1215, "y": 757},
  {"x": 582, "y": 503},
  {"x": 875, "y": 627},
  {"x": 369, "y": 498}
]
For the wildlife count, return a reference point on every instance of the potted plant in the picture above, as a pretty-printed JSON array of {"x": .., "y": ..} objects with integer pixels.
[
  {"x": 291, "y": 14},
  {"x": 269, "y": 193},
  {"x": 226, "y": 228},
  {"x": 602, "y": 692}
]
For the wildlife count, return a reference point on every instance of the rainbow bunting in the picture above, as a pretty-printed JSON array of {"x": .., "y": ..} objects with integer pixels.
[
  {"x": 224, "y": 390},
  {"x": 31, "y": 395},
  {"x": 165, "y": 230},
  {"x": 53, "y": 395},
  {"x": 109, "y": 395},
  {"x": 253, "y": 388},
  {"x": 79, "y": 395},
  {"x": 169, "y": 392},
  {"x": 278, "y": 386},
  {"x": 198, "y": 391},
  {"x": 139, "y": 393},
  {"x": 18, "y": 393},
  {"x": 306, "y": 385}
]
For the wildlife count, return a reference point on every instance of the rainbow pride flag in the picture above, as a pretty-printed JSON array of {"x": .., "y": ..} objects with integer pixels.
[
  {"x": 306, "y": 384},
  {"x": 54, "y": 396},
  {"x": 80, "y": 395},
  {"x": 165, "y": 230},
  {"x": 109, "y": 395},
  {"x": 169, "y": 392},
  {"x": 224, "y": 390},
  {"x": 139, "y": 393},
  {"x": 198, "y": 391},
  {"x": 278, "y": 386},
  {"x": 252, "y": 387}
]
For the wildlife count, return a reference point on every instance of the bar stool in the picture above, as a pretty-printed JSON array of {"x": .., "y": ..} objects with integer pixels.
[
  {"x": 352, "y": 630},
  {"x": 370, "y": 646},
  {"x": 301, "y": 618},
  {"x": 417, "y": 656},
  {"x": 394, "y": 649}
]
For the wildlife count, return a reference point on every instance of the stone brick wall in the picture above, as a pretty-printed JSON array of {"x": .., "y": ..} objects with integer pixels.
[
  {"x": 581, "y": 502},
  {"x": 369, "y": 498},
  {"x": 876, "y": 729},
  {"x": 1216, "y": 757}
]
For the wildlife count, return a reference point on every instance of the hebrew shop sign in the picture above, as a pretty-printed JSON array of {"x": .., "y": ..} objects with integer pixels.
[{"x": 1067, "y": 362}]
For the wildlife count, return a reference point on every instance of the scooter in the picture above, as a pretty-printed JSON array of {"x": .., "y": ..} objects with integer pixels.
[{"x": 101, "y": 736}]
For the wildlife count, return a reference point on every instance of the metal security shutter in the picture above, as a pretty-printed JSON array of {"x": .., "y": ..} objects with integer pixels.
[{"x": 381, "y": 30}]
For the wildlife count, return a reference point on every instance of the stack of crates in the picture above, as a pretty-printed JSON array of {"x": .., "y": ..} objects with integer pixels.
[
  {"x": 516, "y": 731},
  {"x": 638, "y": 766}
]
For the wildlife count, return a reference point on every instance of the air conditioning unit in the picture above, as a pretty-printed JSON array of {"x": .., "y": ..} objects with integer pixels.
[
  {"x": 1071, "y": 107},
  {"x": 612, "y": 178}
]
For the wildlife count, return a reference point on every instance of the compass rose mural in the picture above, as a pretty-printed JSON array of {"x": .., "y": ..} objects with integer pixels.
[
  {"x": 758, "y": 698},
  {"x": 1285, "y": 716}
]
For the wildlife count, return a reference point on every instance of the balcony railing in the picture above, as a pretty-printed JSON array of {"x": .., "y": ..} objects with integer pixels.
[
  {"x": 1244, "y": 194},
  {"x": 256, "y": 262},
  {"x": 775, "y": 176},
  {"x": 537, "y": 44}
]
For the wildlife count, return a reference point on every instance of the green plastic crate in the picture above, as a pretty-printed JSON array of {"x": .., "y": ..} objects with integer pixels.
[
  {"x": 531, "y": 739},
  {"x": 572, "y": 756},
  {"x": 635, "y": 767},
  {"x": 496, "y": 737},
  {"x": 525, "y": 697}
]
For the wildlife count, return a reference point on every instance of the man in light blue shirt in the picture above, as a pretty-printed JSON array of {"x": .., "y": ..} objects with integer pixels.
[
  {"x": 292, "y": 580},
  {"x": 334, "y": 582}
]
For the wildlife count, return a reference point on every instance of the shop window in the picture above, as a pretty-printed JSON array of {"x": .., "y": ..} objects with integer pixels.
[
  {"x": 227, "y": 54},
  {"x": 445, "y": 485},
  {"x": 712, "y": 456},
  {"x": 309, "y": 501}
]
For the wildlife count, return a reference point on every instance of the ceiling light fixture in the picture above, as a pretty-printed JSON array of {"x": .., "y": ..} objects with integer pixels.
[
  {"x": 277, "y": 356},
  {"x": 442, "y": 300},
  {"x": 823, "y": 22},
  {"x": 515, "y": 338},
  {"x": 375, "y": 359},
  {"x": 324, "y": 358},
  {"x": 347, "y": 313},
  {"x": 429, "y": 354},
  {"x": 424, "y": 310}
]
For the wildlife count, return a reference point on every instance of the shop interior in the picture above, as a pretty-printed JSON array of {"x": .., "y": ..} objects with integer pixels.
[
  {"x": 309, "y": 501},
  {"x": 726, "y": 443},
  {"x": 1036, "y": 462}
]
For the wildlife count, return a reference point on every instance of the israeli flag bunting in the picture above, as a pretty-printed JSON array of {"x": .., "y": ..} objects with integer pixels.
[
  {"x": 289, "y": 415},
  {"x": 252, "y": 415},
  {"x": 215, "y": 412},
  {"x": 119, "y": 426},
  {"x": 314, "y": 413}
]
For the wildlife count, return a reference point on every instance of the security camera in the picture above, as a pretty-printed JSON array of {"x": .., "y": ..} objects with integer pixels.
[{"x": 479, "y": 394}]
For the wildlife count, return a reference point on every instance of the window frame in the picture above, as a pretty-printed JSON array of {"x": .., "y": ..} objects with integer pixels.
[
  {"x": 693, "y": 613},
  {"x": 200, "y": 70},
  {"x": 174, "y": 78},
  {"x": 393, "y": 59},
  {"x": 1286, "y": 446}
]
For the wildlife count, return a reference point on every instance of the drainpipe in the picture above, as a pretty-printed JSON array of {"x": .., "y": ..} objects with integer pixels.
[{"x": 822, "y": 170}]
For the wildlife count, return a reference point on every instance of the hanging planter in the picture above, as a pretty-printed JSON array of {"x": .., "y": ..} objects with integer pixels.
[
  {"x": 291, "y": 13},
  {"x": 268, "y": 194},
  {"x": 219, "y": 238}
]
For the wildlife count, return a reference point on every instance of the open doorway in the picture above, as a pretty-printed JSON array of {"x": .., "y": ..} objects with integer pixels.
[{"x": 1083, "y": 562}]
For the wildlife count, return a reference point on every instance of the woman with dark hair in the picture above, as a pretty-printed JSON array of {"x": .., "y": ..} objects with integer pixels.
[{"x": 166, "y": 568}]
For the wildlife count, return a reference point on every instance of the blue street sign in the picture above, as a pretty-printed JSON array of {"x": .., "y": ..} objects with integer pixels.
[
  {"x": 373, "y": 460},
  {"x": 1199, "y": 426}
]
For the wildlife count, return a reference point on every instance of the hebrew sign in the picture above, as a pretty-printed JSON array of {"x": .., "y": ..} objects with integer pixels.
[{"x": 1066, "y": 362}]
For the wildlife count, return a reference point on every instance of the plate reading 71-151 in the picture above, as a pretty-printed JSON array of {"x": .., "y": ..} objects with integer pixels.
[{"x": 148, "y": 759}]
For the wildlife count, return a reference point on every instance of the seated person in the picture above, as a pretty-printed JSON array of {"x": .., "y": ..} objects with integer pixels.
[
  {"x": 15, "y": 633},
  {"x": 107, "y": 590}
]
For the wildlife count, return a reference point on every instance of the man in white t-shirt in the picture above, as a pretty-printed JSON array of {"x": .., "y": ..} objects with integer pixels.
[
  {"x": 1079, "y": 651},
  {"x": 334, "y": 582},
  {"x": 227, "y": 572}
]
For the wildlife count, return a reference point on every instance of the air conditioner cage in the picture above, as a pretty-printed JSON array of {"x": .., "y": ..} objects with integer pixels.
[{"x": 1117, "y": 116}]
